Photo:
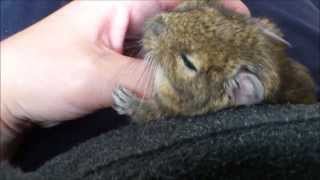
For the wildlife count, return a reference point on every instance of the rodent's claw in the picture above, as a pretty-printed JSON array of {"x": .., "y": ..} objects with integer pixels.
[{"x": 123, "y": 100}]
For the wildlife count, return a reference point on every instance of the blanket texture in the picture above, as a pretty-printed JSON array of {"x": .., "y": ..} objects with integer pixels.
[{"x": 263, "y": 141}]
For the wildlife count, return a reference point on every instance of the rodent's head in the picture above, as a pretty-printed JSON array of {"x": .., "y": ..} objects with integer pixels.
[{"x": 209, "y": 58}]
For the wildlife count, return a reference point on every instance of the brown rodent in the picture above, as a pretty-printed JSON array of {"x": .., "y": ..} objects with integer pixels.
[{"x": 206, "y": 58}]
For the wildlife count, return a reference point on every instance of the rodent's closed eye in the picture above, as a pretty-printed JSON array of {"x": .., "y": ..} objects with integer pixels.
[{"x": 187, "y": 62}]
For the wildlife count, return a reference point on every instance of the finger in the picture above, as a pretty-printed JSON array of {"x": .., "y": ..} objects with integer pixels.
[
  {"x": 237, "y": 6},
  {"x": 135, "y": 76},
  {"x": 143, "y": 10},
  {"x": 119, "y": 70},
  {"x": 166, "y": 5}
]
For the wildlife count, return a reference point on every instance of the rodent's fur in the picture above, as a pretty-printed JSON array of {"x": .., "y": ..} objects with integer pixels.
[{"x": 209, "y": 58}]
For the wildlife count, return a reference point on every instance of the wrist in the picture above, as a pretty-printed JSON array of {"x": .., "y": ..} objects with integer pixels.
[
  {"x": 11, "y": 131},
  {"x": 8, "y": 134},
  {"x": 11, "y": 123},
  {"x": 10, "y": 111}
]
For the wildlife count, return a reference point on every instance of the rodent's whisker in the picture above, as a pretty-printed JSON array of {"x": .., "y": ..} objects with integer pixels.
[
  {"x": 148, "y": 76},
  {"x": 146, "y": 79},
  {"x": 128, "y": 69},
  {"x": 154, "y": 69},
  {"x": 142, "y": 78}
]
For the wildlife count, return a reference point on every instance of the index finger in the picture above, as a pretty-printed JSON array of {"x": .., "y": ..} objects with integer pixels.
[
  {"x": 237, "y": 6},
  {"x": 142, "y": 10}
]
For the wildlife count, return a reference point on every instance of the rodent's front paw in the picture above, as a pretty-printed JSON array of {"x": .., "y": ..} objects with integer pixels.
[
  {"x": 123, "y": 101},
  {"x": 126, "y": 102}
]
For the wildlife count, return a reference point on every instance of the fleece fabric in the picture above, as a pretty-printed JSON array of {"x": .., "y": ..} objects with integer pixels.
[{"x": 263, "y": 141}]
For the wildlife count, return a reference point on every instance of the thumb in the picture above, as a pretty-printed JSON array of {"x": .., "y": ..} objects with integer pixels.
[
  {"x": 119, "y": 70},
  {"x": 135, "y": 75}
]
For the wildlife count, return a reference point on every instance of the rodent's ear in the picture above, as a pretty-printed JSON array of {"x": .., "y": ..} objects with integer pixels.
[
  {"x": 269, "y": 30},
  {"x": 245, "y": 89},
  {"x": 156, "y": 25}
]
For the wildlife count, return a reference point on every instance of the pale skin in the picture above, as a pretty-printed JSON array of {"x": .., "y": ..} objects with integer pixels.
[{"x": 67, "y": 65}]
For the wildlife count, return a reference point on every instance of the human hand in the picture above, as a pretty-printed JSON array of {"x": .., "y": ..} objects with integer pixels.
[
  {"x": 67, "y": 65},
  {"x": 73, "y": 62}
]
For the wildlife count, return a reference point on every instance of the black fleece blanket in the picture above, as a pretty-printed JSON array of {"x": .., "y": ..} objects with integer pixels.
[{"x": 263, "y": 141}]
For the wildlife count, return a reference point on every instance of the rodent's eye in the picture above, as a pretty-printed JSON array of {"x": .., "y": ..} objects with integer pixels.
[{"x": 187, "y": 62}]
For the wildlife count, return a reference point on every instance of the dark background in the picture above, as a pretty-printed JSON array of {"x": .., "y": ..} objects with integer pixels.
[{"x": 298, "y": 19}]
